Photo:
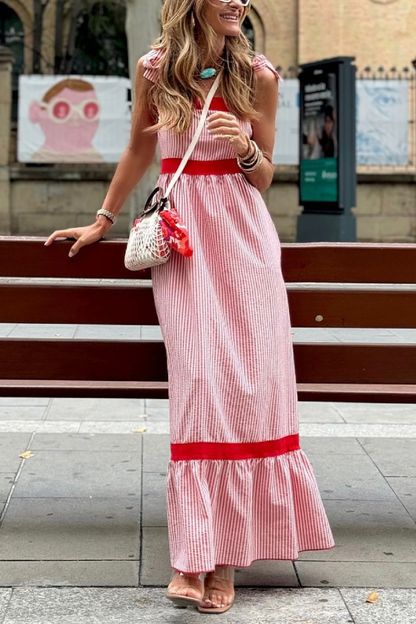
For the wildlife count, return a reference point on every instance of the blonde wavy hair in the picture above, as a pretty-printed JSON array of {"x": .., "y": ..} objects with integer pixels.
[{"x": 171, "y": 97}]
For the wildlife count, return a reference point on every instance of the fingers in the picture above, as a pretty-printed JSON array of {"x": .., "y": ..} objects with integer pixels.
[
  {"x": 83, "y": 236},
  {"x": 227, "y": 123},
  {"x": 77, "y": 246},
  {"x": 222, "y": 119},
  {"x": 221, "y": 114},
  {"x": 226, "y": 130},
  {"x": 59, "y": 234},
  {"x": 65, "y": 234},
  {"x": 225, "y": 120},
  {"x": 89, "y": 235}
]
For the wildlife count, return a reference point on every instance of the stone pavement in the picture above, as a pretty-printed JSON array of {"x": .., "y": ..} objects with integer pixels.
[{"x": 83, "y": 536}]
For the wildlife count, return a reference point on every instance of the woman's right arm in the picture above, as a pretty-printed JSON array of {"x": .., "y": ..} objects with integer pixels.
[
  {"x": 140, "y": 151},
  {"x": 133, "y": 164}
]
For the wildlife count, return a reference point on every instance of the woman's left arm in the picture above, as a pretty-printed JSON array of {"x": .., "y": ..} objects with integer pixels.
[
  {"x": 223, "y": 124},
  {"x": 267, "y": 95}
]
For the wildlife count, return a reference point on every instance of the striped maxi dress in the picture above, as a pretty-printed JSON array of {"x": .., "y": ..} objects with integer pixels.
[{"x": 238, "y": 487}]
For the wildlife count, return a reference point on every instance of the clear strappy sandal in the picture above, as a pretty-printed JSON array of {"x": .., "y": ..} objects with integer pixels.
[
  {"x": 219, "y": 579},
  {"x": 182, "y": 580}
]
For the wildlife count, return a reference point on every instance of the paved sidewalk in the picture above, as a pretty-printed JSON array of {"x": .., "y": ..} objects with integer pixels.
[{"x": 83, "y": 536}]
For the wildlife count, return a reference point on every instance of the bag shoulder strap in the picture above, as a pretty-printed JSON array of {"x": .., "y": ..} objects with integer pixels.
[{"x": 196, "y": 135}]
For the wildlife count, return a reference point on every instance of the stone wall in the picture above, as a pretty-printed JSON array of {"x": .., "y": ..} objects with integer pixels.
[
  {"x": 375, "y": 32},
  {"x": 385, "y": 212},
  {"x": 45, "y": 201}
]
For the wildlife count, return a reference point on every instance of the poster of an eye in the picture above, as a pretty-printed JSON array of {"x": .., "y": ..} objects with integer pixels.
[
  {"x": 82, "y": 119},
  {"x": 383, "y": 122}
]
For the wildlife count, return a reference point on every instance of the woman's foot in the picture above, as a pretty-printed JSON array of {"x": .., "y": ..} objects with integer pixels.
[
  {"x": 219, "y": 588},
  {"x": 187, "y": 585}
]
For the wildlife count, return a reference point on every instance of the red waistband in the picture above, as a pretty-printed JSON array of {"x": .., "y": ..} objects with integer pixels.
[
  {"x": 201, "y": 167},
  {"x": 234, "y": 450}
]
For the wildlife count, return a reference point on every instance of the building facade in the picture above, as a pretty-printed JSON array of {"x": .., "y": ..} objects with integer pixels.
[{"x": 378, "y": 33}]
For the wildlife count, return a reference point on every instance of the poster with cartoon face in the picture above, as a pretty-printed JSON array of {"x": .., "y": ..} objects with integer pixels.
[{"x": 82, "y": 119}]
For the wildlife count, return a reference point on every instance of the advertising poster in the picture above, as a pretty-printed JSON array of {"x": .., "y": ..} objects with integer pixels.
[
  {"x": 286, "y": 145},
  {"x": 319, "y": 139},
  {"x": 383, "y": 122},
  {"x": 82, "y": 119},
  {"x": 382, "y": 132}
]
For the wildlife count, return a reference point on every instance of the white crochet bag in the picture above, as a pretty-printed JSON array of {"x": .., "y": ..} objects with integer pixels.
[{"x": 146, "y": 246}]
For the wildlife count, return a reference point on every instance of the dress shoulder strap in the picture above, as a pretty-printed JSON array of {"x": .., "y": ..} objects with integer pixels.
[
  {"x": 260, "y": 61},
  {"x": 151, "y": 62}
]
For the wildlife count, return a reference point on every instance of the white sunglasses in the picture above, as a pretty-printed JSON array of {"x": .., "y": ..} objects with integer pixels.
[{"x": 244, "y": 3}]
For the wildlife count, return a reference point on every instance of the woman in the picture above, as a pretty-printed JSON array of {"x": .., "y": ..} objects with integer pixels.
[
  {"x": 239, "y": 487},
  {"x": 327, "y": 140}
]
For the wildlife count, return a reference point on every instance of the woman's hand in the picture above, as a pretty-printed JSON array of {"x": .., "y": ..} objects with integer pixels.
[
  {"x": 85, "y": 235},
  {"x": 221, "y": 125}
]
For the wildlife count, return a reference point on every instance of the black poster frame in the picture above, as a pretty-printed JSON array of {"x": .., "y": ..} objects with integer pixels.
[{"x": 345, "y": 101}]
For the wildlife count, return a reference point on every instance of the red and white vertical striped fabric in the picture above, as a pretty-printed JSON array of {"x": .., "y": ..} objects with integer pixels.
[{"x": 239, "y": 487}]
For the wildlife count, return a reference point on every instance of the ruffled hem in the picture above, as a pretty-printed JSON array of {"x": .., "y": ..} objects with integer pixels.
[
  {"x": 234, "y": 512},
  {"x": 232, "y": 563}
]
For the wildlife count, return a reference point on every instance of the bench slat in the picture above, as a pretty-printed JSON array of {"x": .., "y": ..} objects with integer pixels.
[
  {"x": 377, "y": 263},
  {"x": 28, "y": 257},
  {"x": 369, "y": 393},
  {"x": 145, "y": 360},
  {"x": 134, "y": 305},
  {"x": 80, "y": 304},
  {"x": 354, "y": 363},
  {"x": 362, "y": 263},
  {"x": 360, "y": 307},
  {"x": 59, "y": 358},
  {"x": 84, "y": 389},
  {"x": 359, "y": 393}
]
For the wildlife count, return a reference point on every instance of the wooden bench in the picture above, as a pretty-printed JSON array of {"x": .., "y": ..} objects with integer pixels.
[{"x": 325, "y": 371}]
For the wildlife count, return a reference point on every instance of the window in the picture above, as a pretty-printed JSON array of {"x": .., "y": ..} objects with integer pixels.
[{"x": 12, "y": 36}]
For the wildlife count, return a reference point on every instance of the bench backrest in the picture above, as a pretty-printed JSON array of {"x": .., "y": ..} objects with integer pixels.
[{"x": 121, "y": 302}]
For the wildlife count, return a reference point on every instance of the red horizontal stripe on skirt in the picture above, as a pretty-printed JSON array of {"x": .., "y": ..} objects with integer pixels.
[
  {"x": 201, "y": 167},
  {"x": 234, "y": 450}
]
